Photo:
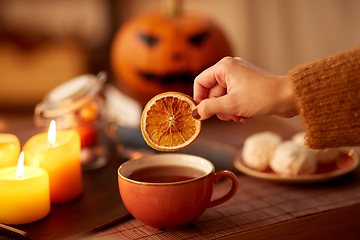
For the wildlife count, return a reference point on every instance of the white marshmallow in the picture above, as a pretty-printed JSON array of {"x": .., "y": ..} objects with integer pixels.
[
  {"x": 324, "y": 156},
  {"x": 259, "y": 148},
  {"x": 299, "y": 138},
  {"x": 292, "y": 159}
]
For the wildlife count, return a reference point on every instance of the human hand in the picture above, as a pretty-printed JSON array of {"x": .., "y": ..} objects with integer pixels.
[{"x": 237, "y": 90}]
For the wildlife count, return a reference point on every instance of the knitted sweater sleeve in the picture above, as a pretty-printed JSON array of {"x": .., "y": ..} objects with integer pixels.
[{"x": 328, "y": 95}]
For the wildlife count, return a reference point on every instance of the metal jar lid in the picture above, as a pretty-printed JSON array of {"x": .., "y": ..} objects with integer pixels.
[{"x": 69, "y": 96}]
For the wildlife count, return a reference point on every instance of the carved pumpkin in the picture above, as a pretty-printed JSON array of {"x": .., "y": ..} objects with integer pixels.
[{"x": 154, "y": 52}]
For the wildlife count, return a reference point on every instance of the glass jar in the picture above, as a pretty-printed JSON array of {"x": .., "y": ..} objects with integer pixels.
[{"x": 77, "y": 104}]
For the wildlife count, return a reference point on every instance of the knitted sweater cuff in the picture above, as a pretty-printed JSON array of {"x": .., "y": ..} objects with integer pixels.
[{"x": 328, "y": 95}]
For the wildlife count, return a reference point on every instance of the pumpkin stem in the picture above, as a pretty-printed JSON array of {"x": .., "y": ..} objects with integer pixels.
[{"x": 173, "y": 8}]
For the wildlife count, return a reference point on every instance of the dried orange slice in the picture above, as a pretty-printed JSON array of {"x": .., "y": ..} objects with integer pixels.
[{"x": 167, "y": 123}]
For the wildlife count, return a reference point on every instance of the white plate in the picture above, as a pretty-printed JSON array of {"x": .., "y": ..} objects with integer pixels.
[{"x": 345, "y": 163}]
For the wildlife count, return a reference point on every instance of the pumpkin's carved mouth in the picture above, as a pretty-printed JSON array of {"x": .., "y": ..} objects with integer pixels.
[{"x": 182, "y": 78}]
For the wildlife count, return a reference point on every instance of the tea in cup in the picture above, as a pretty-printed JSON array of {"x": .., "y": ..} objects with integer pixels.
[{"x": 168, "y": 191}]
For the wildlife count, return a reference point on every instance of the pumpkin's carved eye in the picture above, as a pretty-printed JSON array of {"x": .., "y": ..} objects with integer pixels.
[
  {"x": 198, "y": 38},
  {"x": 148, "y": 39}
]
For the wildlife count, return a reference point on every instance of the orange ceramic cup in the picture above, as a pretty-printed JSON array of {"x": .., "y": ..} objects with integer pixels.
[{"x": 170, "y": 205}]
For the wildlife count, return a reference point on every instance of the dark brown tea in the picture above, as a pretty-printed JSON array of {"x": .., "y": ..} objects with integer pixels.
[{"x": 165, "y": 174}]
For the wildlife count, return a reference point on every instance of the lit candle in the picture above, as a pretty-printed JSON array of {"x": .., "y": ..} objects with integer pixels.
[
  {"x": 24, "y": 193},
  {"x": 9, "y": 150},
  {"x": 58, "y": 152}
]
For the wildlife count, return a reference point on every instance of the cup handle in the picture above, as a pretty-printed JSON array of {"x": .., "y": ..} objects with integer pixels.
[{"x": 231, "y": 193}]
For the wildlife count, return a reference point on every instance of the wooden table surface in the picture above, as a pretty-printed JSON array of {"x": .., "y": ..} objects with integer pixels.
[{"x": 340, "y": 223}]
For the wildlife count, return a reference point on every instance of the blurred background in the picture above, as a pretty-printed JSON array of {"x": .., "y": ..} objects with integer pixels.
[{"x": 44, "y": 43}]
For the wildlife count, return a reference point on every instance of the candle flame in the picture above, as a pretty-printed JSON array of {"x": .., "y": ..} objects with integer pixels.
[
  {"x": 52, "y": 133},
  {"x": 20, "y": 166}
]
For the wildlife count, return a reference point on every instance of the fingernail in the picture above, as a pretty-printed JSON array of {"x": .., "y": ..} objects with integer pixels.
[{"x": 195, "y": 114}]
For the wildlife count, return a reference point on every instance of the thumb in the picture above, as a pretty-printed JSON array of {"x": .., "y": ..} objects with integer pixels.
[{"x": 211, "y": 106}]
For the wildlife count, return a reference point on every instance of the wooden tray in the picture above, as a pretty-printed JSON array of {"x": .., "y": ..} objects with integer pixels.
[{"x": 101, "y": 204}]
